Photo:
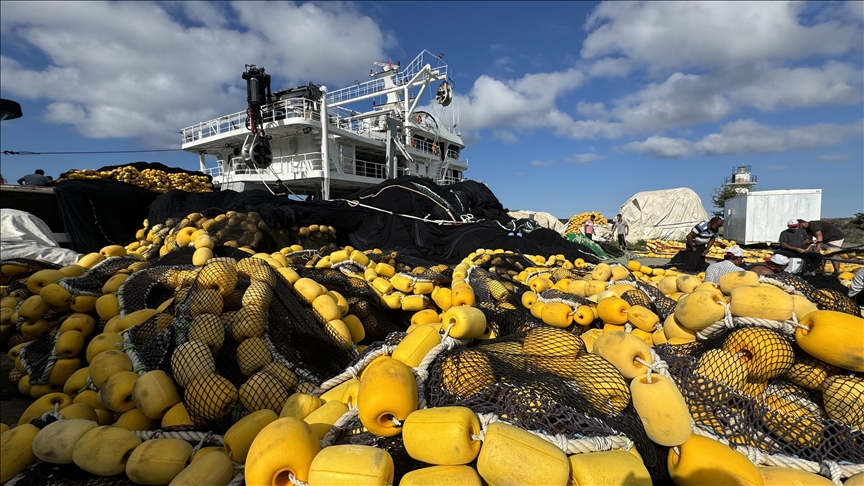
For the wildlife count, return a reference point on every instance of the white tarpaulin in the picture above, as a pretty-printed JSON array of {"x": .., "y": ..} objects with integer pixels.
[
  {"x": 665, "y": 215},
  {"x": 23, "y": 235},
  {"x": 545, "y": 220}
]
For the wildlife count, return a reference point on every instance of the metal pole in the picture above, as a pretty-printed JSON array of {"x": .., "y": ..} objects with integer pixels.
[
  {"x": 325, "y": 146},
  {"x": 201, "y": 160}
]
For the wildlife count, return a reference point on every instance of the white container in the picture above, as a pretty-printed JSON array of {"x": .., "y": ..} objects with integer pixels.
[{"x": 760, "y": 216}]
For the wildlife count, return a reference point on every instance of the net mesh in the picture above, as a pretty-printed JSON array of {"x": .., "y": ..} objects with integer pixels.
[{"x": 744, "y": 385}]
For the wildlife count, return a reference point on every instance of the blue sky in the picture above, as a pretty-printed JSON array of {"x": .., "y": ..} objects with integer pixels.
[{"x": 566, "y": 107}]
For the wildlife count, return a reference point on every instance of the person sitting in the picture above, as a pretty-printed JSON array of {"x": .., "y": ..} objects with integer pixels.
[
  {"x": 827, "y": 235},
  {"x": 280, "y": 189},
  {"x": 699, "y": 242},
  {"x": 731, "y": 263},
  {"x": 794, "y": 242},
  {"x": 37, "y": 178},
  {"x": 776, "y": 264}
]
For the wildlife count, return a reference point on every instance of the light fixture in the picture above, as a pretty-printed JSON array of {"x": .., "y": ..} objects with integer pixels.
[
  {"x": 307, "y": 130},
  {"x": 357, "y": 82},
  {"x": 441, "y": 55}
]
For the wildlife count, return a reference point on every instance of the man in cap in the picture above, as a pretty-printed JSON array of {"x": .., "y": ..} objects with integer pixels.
[
  {"x": 827, "y": 236},
  {"x": 699, "y": 242},
  {"x": 731, "y": 263},
  {"x": 794, "y": 241},
  {"x": 776, "y": 264}
]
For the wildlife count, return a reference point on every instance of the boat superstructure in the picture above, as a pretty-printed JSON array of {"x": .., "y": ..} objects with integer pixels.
[{"x": 356, "y": 147}]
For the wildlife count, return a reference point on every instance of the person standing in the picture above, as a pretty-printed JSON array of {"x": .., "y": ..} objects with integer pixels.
[
  {"x": 856, "y": 287},
  {"x": 622, "y": 229},
  {"x": 280, "y": 189},
  {"x": 731, "y": 263},
  {"x": 699, "y": 241},
  {"x": 37, "y": 178},
  {"x": 827, "y": 236},
  {"x": 589, "y": 228},
  {"x": 794, "y": 241}
]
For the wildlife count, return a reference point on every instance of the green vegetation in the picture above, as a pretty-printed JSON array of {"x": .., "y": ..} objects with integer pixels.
[{"x": 719, "y": 196}]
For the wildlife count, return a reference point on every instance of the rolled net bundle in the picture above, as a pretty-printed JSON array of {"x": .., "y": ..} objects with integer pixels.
[{"x": 241, "y": 339}]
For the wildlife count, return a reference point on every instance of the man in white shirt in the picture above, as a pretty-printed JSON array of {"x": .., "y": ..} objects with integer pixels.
[
  {"x": 856, "y": 287},
  {"x": 622, "y": 229},
  {"x": 731, "y": 263}
]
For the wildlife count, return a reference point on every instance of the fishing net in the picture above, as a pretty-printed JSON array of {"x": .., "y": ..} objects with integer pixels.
[
  {"x": 762, "y": 403},
  {"x": 238, "y": 334}
]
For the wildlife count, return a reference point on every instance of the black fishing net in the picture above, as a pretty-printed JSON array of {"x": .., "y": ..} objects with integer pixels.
[
  {"x": 366, "y": 219},
  {"x": 237, "y": 338},
  {"x": 829, "y": 296},
  {"x": 543, "y": 380},
  {"x": 98, "y": 213},
  {"x": 739, "y": 386}
]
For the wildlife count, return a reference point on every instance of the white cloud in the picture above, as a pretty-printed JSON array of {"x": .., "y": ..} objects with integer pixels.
[
  {"x": 832, "y": 158},
  {"x": 592, "y": 110},
  {"x": 681, "y": 100},
  {"x": 583, "y": 159},
  {"x": 519, "y": 105},
  {"x": 687, "y": 99},
  {"x": 711, "y": 34},
  {"x": 748, "y": 137},
  {"x": 543, "y": 163},
  {"x": 662, "y": 147},
  {"x": 503, "y": 63},
  {"x": 505, "y": 136},
  {"x": 610, "y": 67},
  {"x": 520, "y": 174},
  {"x": 802, "y": 87},
  {"x": 206, "y": 13},
  {"x": 131, "y": 69}
]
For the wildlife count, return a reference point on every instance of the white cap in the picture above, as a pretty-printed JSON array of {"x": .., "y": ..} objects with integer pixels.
[
  {"x": 735, "y": 250},
  {"x": 792, "y": 222},
  {"x": 779, "y": 259}
]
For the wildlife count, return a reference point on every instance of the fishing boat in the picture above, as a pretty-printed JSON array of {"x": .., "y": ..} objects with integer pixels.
[{"x": 327, "y": 144}]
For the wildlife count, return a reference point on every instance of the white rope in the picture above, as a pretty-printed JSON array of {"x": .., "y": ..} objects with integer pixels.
[
  {"x": 781, "y": 285},
  {"x": 337, "y": 427},
  {"x": 569, "y": 446},
  {"x": 129, "y": 348},
  {"x": 761, "y": 458},
  {"x": 352, "y": 372},
  {"x": 187, "y": 435},
  {"x": 785, "y": 327}
]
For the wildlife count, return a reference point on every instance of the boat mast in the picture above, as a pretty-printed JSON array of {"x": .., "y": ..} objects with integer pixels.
[{"x": 325, "y": 146}]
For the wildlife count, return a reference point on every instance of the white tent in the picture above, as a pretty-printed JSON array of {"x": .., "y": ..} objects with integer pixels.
[
  {"x": 545, "y": 220},
  {"x": 666, "y": 215},
  {"x": 23, "y": 235}
]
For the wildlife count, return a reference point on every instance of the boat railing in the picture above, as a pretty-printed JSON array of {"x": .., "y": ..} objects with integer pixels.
[
  {"x": 338, "y": 117},
  {"x": 449, "y": 179},
  {"x": 287, "y": 165},
  {"x": 402, "y": 77}
]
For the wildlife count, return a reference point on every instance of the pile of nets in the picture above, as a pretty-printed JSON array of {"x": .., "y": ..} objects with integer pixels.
[
  {"x": 576, "y": 223},
  {"x": 154, "y": 177},
  {"x": 529, "y": 364}
]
